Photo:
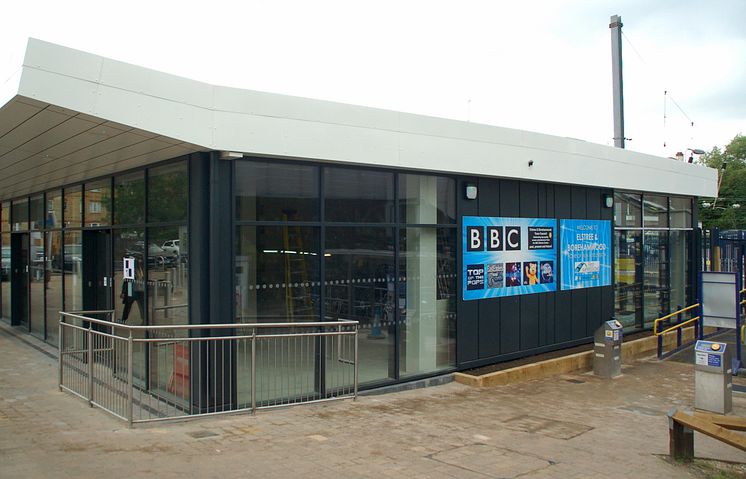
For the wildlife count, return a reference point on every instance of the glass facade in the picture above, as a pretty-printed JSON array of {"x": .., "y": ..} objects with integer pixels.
[
  {"x": 5, "y": 297},
  {"x": 311, "y": 242},
  {"x": 52, "y": 228},
  {"x": 653, "y": 257},
  {"x": 97, "y": 205},
  {"x": 321, "y": 242}
]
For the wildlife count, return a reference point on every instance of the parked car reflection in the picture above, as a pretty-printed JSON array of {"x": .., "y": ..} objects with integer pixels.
[
  {"x": 157, "y": 256},
  {"x": 5, "y": 264}
]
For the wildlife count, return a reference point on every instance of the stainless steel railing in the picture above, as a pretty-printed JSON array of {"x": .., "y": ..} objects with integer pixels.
[{"x": 161, "y": 372}]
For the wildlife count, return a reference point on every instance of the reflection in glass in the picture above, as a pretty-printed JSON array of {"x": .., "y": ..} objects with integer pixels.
[
  {"x": 53, "y": 212},
  {"x": 276, "y": 192},
  {"x": 98, "y": 203},
  {"x": 427, "y": 199},
  {"x": 37, "y": 212},
  {"x": 359, "y": 285},
  {"x": 168, "y": 192},
  {"x": 129, "y": 302},
  {"x": 681, "y": 264},
  {"x": 37, "y": 275},
  {"x": 656, "y": 292},
  {"x": 360, "y": 196},
  {"x": 627, "y": 210},
  {"x": 129, "y": 198},
  {"x": 277, "y": 273},
  {"x": 130, "y": 309},
  {"x": 73, "y": 270},
  {"x": 655, "y": 211},
  {"x": 20, "y": 214},
  {"x": 628, "y": 277},
  {"x": 5, "y": 217},
  {"x": 168, "y": 292},
  {"x": 681, "y": 213},
  {"x": 53, "y": 288},
  {"x": 73, "y": 207},
  {"x": 277, "y": 280},
  {"x": 427, "y": 299},
  {"x": 5, "y": 297}
]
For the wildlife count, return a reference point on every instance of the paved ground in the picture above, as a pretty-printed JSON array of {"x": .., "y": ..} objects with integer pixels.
[{"x": 569, "y": 426}]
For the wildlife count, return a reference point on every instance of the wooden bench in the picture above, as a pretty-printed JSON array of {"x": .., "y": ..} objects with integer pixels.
[{"x": 681, "y": 427}]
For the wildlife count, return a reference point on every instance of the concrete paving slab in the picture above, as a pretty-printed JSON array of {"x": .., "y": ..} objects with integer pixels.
[{"x": 573, "y": 425}]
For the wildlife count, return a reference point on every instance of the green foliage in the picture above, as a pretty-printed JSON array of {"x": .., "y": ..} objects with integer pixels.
[{"x": 728, "y": 211}]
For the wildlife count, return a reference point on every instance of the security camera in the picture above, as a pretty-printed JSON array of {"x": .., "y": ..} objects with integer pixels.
[{"x": 530, "y": 163}]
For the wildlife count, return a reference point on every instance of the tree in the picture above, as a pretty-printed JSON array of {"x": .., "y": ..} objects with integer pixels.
[{"x": 728, "y": 211}]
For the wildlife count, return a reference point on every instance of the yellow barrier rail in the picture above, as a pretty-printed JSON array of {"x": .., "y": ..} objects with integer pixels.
[{"x": 669, "y": 316}]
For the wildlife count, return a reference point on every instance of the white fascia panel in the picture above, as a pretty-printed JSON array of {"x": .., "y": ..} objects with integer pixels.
[
  {"x": 63, "y": 61},
  {"x": 266, "y": 124},
  {"x": 144, "y": 81}
]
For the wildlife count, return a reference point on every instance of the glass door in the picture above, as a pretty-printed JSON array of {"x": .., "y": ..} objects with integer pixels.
[
  {"x": 97, "y": 277},
  {"x": 20, "y": 279}
]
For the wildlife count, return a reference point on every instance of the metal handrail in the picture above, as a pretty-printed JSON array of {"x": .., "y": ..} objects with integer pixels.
[
  {"x": 96, "y": 364},
  {"x": 678, "y": 327},
  {"x": 205, "y": 326},
  {"x": 668, "y": 316}
]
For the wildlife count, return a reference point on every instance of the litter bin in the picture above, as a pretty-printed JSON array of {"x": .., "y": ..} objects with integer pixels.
[
  {"x": 607, "y": 347},
  {"x": 713, "y": 377}
]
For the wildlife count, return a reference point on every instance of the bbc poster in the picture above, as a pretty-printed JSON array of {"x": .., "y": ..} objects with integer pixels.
[
  {"x": 586, "y": 253},
  {"x": 508, "y": 256}
]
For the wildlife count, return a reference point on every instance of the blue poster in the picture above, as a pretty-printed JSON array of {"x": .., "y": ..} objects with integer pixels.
[
  {"x": 586, "y": 253},
  {"x": 508, "y": 256}
]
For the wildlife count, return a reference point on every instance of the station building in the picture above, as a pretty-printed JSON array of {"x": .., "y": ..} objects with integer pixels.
[{"x": 454, "y": 244}]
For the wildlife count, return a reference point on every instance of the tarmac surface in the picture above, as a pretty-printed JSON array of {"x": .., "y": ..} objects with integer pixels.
[{"x": 569, "y": 426}]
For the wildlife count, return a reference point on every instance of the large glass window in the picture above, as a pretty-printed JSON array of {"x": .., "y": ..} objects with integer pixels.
[
  {"x": 655, "y": 211},
  {"x": 681, "y": 268},
  {"x": 276, "y": 192},
  {"x": 427, "y": 299},
  {"x": 656, "y": 289},
  {"x": 628, "y": 277},
  {"x": 98, "y": 203},
  {"x": 53, "y": 282},
  {"x": 73, "y": 207},
  {"x": 168, "y": 280},
  {"x": 277, "y": 273},
  {"x": 359, "y": 285},
  {"x": 37, "y": 212},
  {"x": 53, "y": 212},
  {"x": 37, "y": 279},
  {"x": 19, "y": 214},
  {"x": 5, "y": 298},
  {"x": 73, "y": 270},
  {"x": 627, "y": 210},
  {"x": 427, "y": 199},
  {"x": 681, "y": 213},
  {"x": 168, "y": 193},
  {"x": 129, "y": 198},
  {"x": 360, "y": 196}
]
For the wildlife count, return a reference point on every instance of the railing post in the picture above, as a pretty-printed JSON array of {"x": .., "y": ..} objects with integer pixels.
[
  {"x": 660, "y": 346},
  {"x": 60, "y": 342},
  {"x": 90, "y": 364},
  {"x": 130, "y": 350},
  {"x": 357, "y": 367},
  {"x": 253, "y": 371}
]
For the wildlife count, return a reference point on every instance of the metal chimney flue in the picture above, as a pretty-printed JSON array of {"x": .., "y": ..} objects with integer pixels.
[{"x": 616, "y": 69}]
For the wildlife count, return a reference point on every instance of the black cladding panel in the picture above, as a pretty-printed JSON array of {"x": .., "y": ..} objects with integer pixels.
[{"x": 516, "y": 326}]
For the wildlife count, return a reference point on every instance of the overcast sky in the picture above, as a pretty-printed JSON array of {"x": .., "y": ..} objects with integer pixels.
[{"x": 535, "y": 65}]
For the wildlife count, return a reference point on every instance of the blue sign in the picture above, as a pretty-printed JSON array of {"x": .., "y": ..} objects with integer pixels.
[
  {"x": 508, "y": 256},
  {"x": 715, "y": 360},
  {"x": 586, "y": 253}
]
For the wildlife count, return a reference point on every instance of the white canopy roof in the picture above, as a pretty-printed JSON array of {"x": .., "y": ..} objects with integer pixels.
[{"x": 68, "y": 115}]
